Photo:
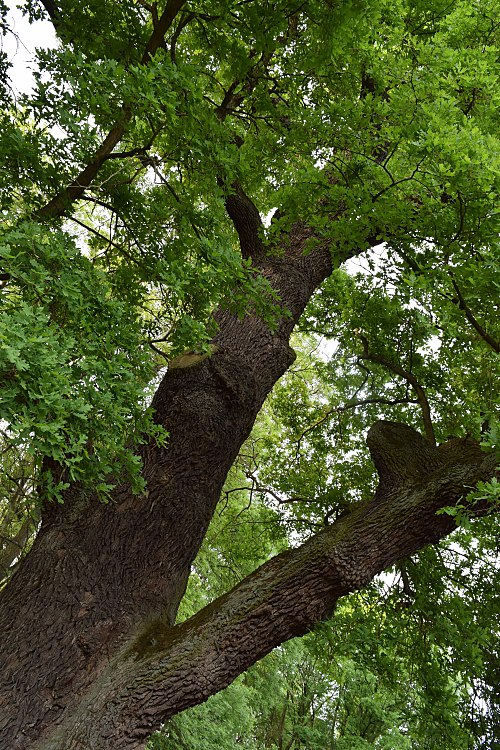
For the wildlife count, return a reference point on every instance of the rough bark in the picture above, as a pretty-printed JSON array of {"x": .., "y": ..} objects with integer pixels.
[
  {"x": 90, "y": 658},
  {"x": 96, "y": 571},
  {"x": 165, "y": 670}
]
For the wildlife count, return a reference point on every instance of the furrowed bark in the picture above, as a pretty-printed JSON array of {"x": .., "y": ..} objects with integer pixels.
[
  {"x": 96, "y": 571},
  {"x": 166, "y": 670},
  {"x": 90, "y": 658}
]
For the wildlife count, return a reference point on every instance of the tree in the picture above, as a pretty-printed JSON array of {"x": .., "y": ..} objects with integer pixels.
[{"x": 136, "y": 179}]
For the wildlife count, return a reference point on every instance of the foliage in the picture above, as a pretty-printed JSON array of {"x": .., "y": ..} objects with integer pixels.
[
  {"x": 376, "y": 123},
  {"x": 68, "y": 349}
]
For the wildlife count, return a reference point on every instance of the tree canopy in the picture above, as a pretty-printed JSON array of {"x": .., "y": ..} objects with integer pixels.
[{"x": 238, "y": 237}]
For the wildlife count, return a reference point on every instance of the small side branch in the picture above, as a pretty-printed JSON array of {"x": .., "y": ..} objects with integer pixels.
[
  {"x": 410, "y": 378},
  {"x": 58, "y": 205},
  {"x": 13, "y": 547},
  {"x": 354, "y": 404},
  {"x": 462, "y": 304},
  {"x": 459, "y": 301},
  {"x": 240, "y": 208}
]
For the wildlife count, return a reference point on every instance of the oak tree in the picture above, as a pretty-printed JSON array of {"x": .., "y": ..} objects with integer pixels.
[{"x": 186, "y": 184}]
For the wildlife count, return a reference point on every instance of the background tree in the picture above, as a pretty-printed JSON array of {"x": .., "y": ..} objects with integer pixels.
[{"x": 135, "y": 179}]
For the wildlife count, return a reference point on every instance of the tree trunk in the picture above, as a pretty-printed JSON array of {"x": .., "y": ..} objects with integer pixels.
[
  {"x": 165, "y": 669},
  {"x": 72, "y": 676},
  {"x": 96, "y": 571}
]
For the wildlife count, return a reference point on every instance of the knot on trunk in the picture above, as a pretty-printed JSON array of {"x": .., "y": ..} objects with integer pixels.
[{"x": 347, "y": 570}]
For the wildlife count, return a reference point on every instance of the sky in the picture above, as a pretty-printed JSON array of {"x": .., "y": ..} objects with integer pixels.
[{"x": 19, "y": 45}]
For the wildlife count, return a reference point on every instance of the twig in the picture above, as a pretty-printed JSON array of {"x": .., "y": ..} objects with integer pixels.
[
  {"x": 354, "y": 403},
  {"x": 459, "y": 301},
  {"x": 462, "y": 304},
  {"x": 59, "y": 204},
  {"x": 410, "y": 378}
]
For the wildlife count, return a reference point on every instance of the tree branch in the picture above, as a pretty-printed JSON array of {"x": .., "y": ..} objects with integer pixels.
[
  {"x": 353, "y": 404},
  {"x": 240, "y": 208},
  {"x": 462, "y": 304},
  {"x": 410, "y": 378},
  {"x": 166, "y": 670},
  {"x": 58, "y": 205},
  {"x": 247, "y": 222},
  {"x": 52, "y": 11},
  {"x": 13, "y": 547},
  {"x": 459, "y": 301},
  {"x": 180, "y": 26},
  {"x": 161, "y": 27}
]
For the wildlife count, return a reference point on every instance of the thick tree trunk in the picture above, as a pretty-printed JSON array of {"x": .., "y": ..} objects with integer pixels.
[
  {"x": 90, "y": 658},
  {"x": 165, "y": 670},
  {"x": 96, "y": 571}
]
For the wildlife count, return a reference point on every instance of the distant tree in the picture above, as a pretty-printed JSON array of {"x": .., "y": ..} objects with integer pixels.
[{"x": 147, "y": 310}]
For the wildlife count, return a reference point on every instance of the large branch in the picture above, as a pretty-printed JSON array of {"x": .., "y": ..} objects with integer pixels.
[
  {"x": 247, "y": 222},
  {"x": 52, "y": 11},
  {"x": 60, "y": 203},
  {"x": 161, "y": 26},
  {"x": 166, "y": 670}
]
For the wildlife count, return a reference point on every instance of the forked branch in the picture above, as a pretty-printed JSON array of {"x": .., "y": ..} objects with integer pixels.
[{"x": 167, "y": 669}]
